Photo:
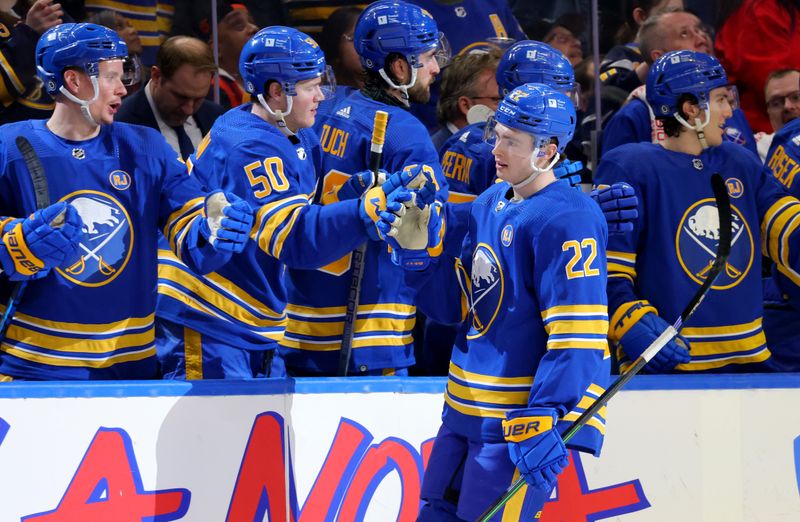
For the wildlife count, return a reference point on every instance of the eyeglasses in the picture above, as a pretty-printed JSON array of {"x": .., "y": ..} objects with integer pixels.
[
  {"x": 776, "y": 103},
  {"x": 496, "y": 99}
]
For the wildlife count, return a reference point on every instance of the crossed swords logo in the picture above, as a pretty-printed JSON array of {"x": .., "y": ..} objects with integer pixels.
[
  {"x": 730, "y": 270},
  {"x": 80, "y": 265}
]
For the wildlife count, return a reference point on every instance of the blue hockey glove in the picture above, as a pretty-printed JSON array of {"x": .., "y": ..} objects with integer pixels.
[
  {"x": 352, "y": 188},
  {"x": 228, "y": 221},
  {"x": 535, "y": 447},
  {"x": 619, "y": 204},
  {"x": 569, "y": 171},
  {"x": 643, "y": 332},
  {"x": 32, "y": 246}
]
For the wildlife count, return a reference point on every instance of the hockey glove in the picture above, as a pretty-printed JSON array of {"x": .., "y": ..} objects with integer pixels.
[
  {"x": 643, "y": 332},
  {"x": 415, "y": 237},
  {"x": 569, "y": 171},
  {"x": 535, "y": 447},
  {"x": 353, "y": 188},
  {"x": 388, "y": 198},
  {"x": 620, "y": 206},
  {"x": 32, "y": 246},
  {"x": 228, "y": 221}
]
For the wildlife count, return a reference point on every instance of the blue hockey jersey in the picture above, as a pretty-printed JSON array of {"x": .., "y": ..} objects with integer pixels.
[
  {"x": 781, "y": 294},
  {"x": 317, "y": 298},
  {"x": 530, "y": 287},
  {"x": 243, "y": 303},
  {"x": 473, "y": 24},
  {"x": 660, "y": 265},
  {"x": 92, "y": 318},
  {"x": 635, "y": 123},
  {"x": 467, "y": 163}
]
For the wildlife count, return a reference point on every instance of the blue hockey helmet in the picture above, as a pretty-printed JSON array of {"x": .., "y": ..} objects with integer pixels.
[
  {"x": 285, "y": 55},
  {"x": 539, "y": 110},
  {"x": 75, "y": 45},
  {"x": 682, "y": 72},
  {"x": 391, "y": 26},
  {"x": 530, "y": 61}
]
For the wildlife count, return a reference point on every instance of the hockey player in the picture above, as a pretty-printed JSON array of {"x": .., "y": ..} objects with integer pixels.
[
  {"x": 399, "y": 46},
  {"x": 636, "y": 121},
  {"x": 467, "y": 159},
  {"x": 88, "y": 311},
  {"x": 227, "y": 324},
  {"x": 781, "y": 295},
  {"x": 530, "y": 288},
  {"x": 655, "y": 269}
]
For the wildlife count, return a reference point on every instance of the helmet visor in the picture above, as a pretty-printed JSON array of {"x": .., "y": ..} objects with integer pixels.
[
  {"x": 514, "y": 143},
  {"x": 328, "y": 85},
  {"x": 131, "y": 70},
  {"x": 443, "y": 52}
]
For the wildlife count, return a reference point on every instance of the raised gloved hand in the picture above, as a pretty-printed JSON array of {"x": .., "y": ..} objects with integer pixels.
[
  {"x": 32, "y": 246},
  {"x": 415, "y": 236},
  {"x": 228, "y": 221},
  {"x": 386, "y": 198},
  {"x": 619, "y": 204},
  {"x": 535, "y": 447},
  {"x": 352, "y": 188},
  {"x": 569, "y": 171},
  {"x": 643, "y": 332}
]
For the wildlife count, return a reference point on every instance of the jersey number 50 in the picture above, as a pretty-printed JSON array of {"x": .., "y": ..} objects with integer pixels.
[
  {"x": 577, "y": 255},
  {"x": 274, "y": 180}
]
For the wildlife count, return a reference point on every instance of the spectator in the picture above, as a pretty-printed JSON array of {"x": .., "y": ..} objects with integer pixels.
[
  {"x": 21, "y": 92},
  {"x": 336, "y": 41},
  {"x": 235, "y": 29},
  {"x": 133, "y": 66},
  {"x": 193, "y": 18},
  {"x": 624, "y": 65},
  {"x": 152, "y": 19},
  {"x": 469, "y": 92},
  {"x": 174, "y": 100},
  {"x": 563, "y": 34},
  {"x": 757, "y": 37}
]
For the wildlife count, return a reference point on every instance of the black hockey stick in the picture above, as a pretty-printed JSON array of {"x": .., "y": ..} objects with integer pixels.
[
  {"x": 723, "y": 251},
  {"x": 357, "y": 263},
  {"x": 42, "y": 194}
]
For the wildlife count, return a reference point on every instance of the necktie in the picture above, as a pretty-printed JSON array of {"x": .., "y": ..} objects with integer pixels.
[{"x": 184, "y": 143}]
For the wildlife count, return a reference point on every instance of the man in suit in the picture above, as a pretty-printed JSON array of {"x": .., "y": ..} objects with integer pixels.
[{"x": 174, "y": 100}]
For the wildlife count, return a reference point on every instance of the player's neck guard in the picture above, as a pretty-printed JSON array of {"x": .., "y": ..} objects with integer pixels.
[
  {"x": 697, "y": 127},
  {"x": 280, "y": 116},
  {"x": 84, "y": 104},
  {"x": 402, "y": 88},
  {"x": 537, "y": 171}
]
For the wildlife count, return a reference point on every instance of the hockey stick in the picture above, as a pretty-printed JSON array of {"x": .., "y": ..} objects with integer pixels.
[
  {"x": 357, "y": 263},
  {"x": 723, "y": 251},
  {"x": 42, "y": 194}
]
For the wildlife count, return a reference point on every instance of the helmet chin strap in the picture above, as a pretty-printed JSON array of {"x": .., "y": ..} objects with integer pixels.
[
  {"x": 697, "y": 127},
  {"x": 537, "y": 171},
  {"x": 278, "y": 114},
  {"x": 402, "y": 88},
  {"x": 84, "y": 104}
]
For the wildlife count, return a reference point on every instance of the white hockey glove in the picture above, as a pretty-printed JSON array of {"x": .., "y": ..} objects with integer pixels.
[{"x": 228, "y": 221}]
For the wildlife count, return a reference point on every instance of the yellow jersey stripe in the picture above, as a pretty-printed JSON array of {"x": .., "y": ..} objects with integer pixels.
[
  {"x": 518, "y": 399},
  {"x": 52, "y": 360},
  {"x": 490, "y": 380}
]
